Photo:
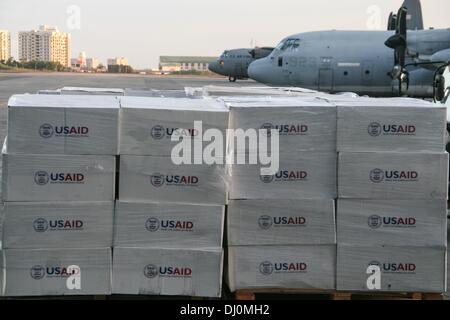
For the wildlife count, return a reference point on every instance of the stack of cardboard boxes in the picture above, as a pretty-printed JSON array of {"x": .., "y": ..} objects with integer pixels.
[
  {"x": 58, "y": 190},
  {"x": 392, "y": 183},
  {"x": 169, "y": 218},
  {"x": 281, "y": 227}
]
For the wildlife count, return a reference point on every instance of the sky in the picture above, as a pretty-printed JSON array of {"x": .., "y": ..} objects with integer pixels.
[{"x": 143, "y": 30}]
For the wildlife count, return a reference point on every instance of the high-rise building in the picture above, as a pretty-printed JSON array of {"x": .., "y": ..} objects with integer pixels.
[
  {"x": 45, "y": 44},
  {"x": 92, "y": 63},
  {"x": 121, "y": 61},
  {"x": 5, "y": 45}
]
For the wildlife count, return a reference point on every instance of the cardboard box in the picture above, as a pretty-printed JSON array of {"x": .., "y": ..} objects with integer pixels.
[
  {"x": 168, "y": 225},
  {"x": 92, "y": 91},
  {"x": 392, "y": 222},
  {"x": 35, "y": 225},
  {"x": 397, "y": 124},
  {"x": 403, "y": 269},
  {"x": 147, "y": 124},
  {"x": 54, "y": 124},
  {"x": 281, "y": 222},
  {"x": 303, "y": 175},
  {"x": 282, "y": 267},
  {"x": 157, "y": 179},
  {"x": 58, "y": 178},
  {"x": 370, "y": 175},
  {"x": 167, "y": 272},
  {"x": 303, "y": 124},
  {"x": 45, "y": 272}
]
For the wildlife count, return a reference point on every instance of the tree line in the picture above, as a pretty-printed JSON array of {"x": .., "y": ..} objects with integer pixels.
[{"x": 35, "y": 65}]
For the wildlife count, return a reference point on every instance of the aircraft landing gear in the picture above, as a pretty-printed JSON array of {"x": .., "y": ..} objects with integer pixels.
[{"x": 232, "y": 79}]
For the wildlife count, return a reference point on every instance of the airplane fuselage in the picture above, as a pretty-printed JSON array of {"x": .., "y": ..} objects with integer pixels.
[{"x": 340, "y": 61}]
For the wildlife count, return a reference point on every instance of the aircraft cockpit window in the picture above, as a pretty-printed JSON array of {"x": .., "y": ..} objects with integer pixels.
[
  {"x": 290, "y": 45},
  {"x": 225, "y": 54}
]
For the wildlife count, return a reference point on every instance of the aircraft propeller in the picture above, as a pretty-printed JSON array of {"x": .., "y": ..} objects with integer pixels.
[{"x": 398, "y": 42}]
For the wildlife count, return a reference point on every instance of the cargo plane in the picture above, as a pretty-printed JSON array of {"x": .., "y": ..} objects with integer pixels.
[{"x": 376, "y": 63}]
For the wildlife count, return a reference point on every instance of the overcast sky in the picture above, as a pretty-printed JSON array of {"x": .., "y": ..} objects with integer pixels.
[{"x": 144, "y": 30}]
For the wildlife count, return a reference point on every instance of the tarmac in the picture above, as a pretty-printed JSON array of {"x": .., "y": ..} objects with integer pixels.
[{"x": 16, "y": 83}]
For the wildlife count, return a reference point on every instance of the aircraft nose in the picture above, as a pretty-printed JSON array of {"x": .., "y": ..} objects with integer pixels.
[
  {"x": 214, "y": 66},
  {"x": 257, "y": 70}
]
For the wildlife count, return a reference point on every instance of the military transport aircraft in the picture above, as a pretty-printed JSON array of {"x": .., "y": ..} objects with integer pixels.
[
  {"x": 234, "y": 63},
  {"x": 376, "y": 63}
]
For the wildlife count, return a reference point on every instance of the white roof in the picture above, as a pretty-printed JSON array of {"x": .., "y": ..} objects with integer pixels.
[
  {"x": 61, "y": 101},
  {"x": 181, "y": 104}
]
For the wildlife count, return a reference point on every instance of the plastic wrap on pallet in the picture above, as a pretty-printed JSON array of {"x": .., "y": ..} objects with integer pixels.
[
  {"x": 392, "y": 222},
  {"x": 35, "y": 225},
  {"x": 155, "y": 93},
  {"x": 281, "y": 222},
  {"x": 402, "y": 125},
  {"x": 46, "y": 272},
  {"x": 156, "y": 271},
  {"x": 303, "y": 124},
  {"x": 282, "y": 267},
  {"x": 386, "y": 175},
  {"x": 92, "y": 91},
  {"x": 303, "y": 175},
  {"x": 158, "y": 179},
  {"x": 53, "y": 124},
  {"x": 168, "y": 225},
  {"x": 148, "y": 124},
  {"x": 58, "y": 178},
  {"x": 402, "y": 269}
]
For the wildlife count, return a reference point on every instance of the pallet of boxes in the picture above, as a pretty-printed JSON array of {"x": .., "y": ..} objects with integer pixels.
[
  {"x": 58, "y": 188},
  {"x": 170, "y": 215},
  {"x": 392, "y": 206},
  {"x": 281, "y": 227}
]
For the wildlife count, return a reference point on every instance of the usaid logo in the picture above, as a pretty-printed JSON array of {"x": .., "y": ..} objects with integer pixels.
[
  {"x": 374, "y": 222},
  {"x": 374, "y": 129},
  {"x": 158, "y": 132},
  {"x": 266, "y": 268},
  {"x": 395, "y": 267},
  {"x": 152, "y": 224},
  {"x": 285, "y": 129},
  {"x": 285, "y": 176},
  {"x": 157, "y": 180},
  {"x": 266, "y": 179},
  {"x": 37, "y": 272},
  {"x": 40, "y": 225},
  {"x": 265, "y": 222},
  {"x": 46, "y": 131},
  {"x": 41, "y": 178},
  {"x": 379, "y": 175},
  {"x": 150, "y": 271},
  {"x": 376, "y": 175}
]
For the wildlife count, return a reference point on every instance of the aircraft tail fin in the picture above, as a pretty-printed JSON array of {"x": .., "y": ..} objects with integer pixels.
[{"x": 415, "y": 17}]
